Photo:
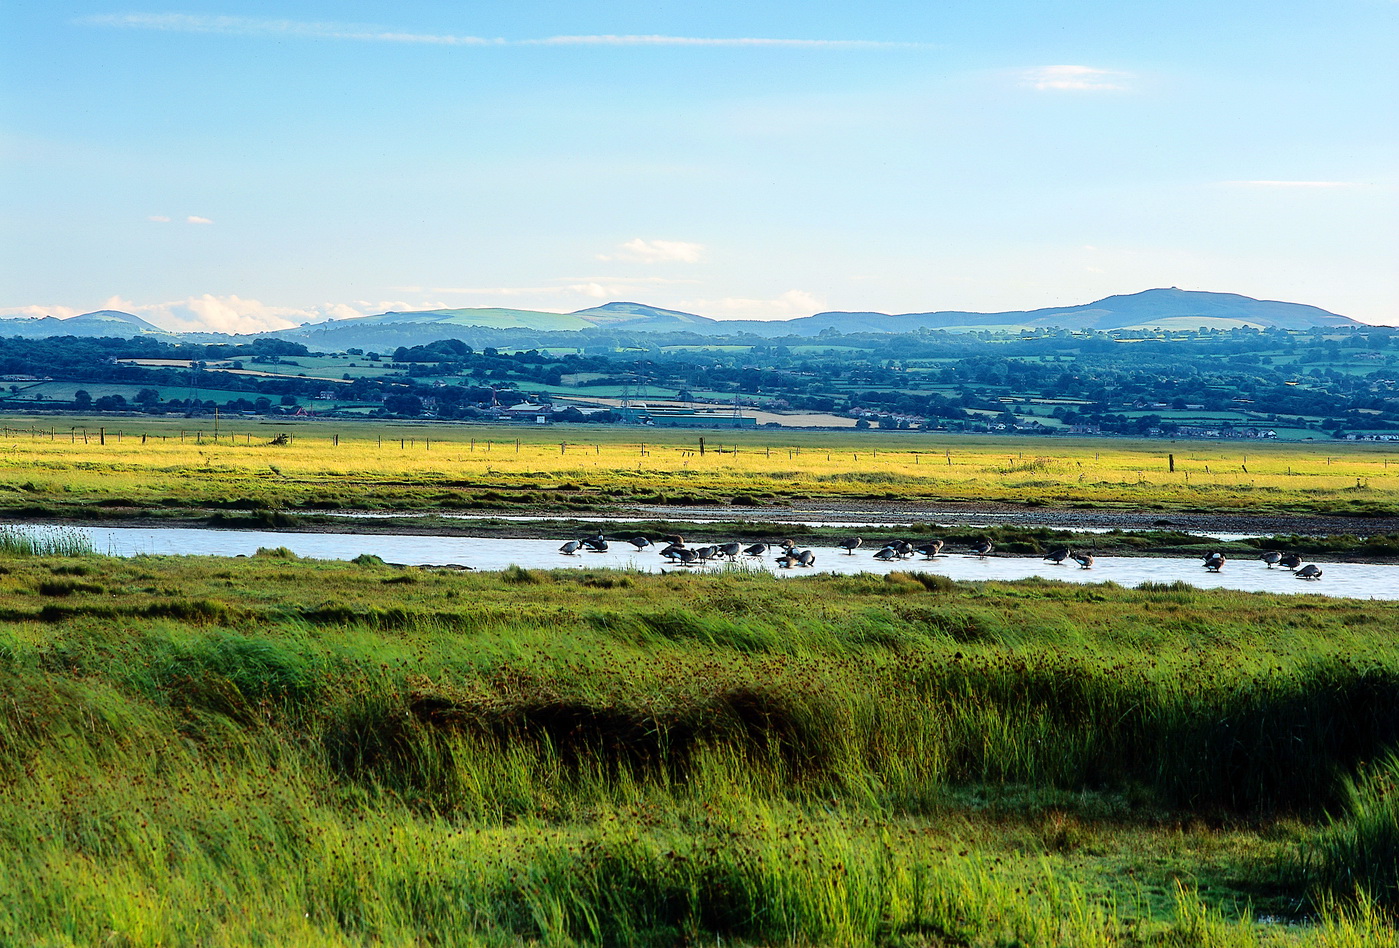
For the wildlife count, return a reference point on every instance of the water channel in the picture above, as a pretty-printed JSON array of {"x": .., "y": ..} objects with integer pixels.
[{"x": 1358, "y": 580}]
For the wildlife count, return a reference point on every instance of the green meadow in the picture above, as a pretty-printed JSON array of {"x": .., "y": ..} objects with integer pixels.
[
  {"x": 68, "y": 467},
  {"x": 268, "y": 750}
]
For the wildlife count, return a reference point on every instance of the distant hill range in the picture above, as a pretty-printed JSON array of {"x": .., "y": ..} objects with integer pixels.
[
  {"x": 104, "y": 322},
  {"x": 1151, "y": 309}
]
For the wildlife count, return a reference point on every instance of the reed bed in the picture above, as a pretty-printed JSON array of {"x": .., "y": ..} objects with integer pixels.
[{"x": 207, "y": 751}]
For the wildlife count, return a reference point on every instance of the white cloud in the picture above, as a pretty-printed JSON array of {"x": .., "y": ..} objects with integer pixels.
[
  {"x": 789, "y": 304},
  {"x": 656, "y": 251},
  {"x": 252, "y": 26},
  {"x": 1314, "y": 185},
  {"x": 158, "y": 219},
  {"x": 37, "y": 312},
  {"x": 1075, "y": 79},
  {"x": 195, "y": 219}
]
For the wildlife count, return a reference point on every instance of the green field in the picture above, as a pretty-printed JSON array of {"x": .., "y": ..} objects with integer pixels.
[
  {"x": 173, "y": 464},
  {"x": 276, "y": 751}
]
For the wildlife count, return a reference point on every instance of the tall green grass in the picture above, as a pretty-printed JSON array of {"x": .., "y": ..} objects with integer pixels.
[
  {"x": 44, "y": 541},
  {"x": 220, "y": 752}
]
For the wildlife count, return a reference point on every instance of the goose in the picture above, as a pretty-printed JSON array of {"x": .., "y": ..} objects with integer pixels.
[
  {"x": 1310, "y": 571},
  {"x": 757, "y": 549},
  {"x": 706, "y": 553},
  {"x": 1214, "y": 561},
  {"x": 571, "y": 548},
  {"x": 902, "y": 547},
  {"x": 730, "y": 550},
  {"x": 1084, "y": 560},
  {"x": 787, "y": 545},
  {"x": 1290, "y": 560},
  {"x": 1058, "y": 555},
  {"x": 1271, "y": 558},
  {"x": 806, "y": 558},
  {"x": 787, "y": 560},
  {"x": 597, "y": 544},
  {"x": 887, "y": 554},
  {"x": 850, "y": 544},
  {"x": 982, "y": 548},
  {"x": 930, "y": 549},
  {"x": 686, "y": 557},
  {"x": 673, "y": 552},
  {"x": 640, "y": 543}
]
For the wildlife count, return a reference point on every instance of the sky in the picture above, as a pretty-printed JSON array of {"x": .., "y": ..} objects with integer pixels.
[{"x": 249, "y": 165}]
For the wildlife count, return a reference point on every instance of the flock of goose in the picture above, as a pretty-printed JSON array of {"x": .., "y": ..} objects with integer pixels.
[
  {"x": 789, "y": 556},
  {"x": 1214, "y": 562},
  {"x": 677, "y": 552}
]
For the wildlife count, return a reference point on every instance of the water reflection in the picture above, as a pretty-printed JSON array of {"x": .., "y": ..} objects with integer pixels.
[{"x": 1363, "y": 581}]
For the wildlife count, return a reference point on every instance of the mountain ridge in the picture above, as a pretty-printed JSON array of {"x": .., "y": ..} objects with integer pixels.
[{"x": 1170, "y": 308}]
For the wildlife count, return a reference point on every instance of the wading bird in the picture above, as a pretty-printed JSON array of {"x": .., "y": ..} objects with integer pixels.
[
  {"x": 887, "y": 554},
  {"x": 1271, "y": 558},
  {"x": 850, "y": 544},
  {"x": 757, "y": 549},
  {"x": 730, "y": 550},
  {"x": 1057, "y": 555},
  {"x": 640, "y": 543},
  {"x": 1084, "y": 560},
  {"x": 571, "y": 547},
  {"x": 930, "y": 549},
  {"x": 1290, "y": 560},
  {"x": 806, "y": 558},
  {"x": 1214, "y": 561},
  {"x": 1310, "y": 571},
  {"x": 982, "y": 548}
]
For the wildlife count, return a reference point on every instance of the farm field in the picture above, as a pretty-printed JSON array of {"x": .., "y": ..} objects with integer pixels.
[
  {"x": 210, "y": 751},
  {"x": 175, "y": 463}
]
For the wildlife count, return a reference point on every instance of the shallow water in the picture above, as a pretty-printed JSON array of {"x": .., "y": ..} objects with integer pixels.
[
  {"x": 1363, "y": 581},
  {"x": 738, "y": 518}
]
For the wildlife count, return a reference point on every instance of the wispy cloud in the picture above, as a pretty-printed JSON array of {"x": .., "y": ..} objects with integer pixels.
[
  {"x": 252, "y": 26},
  {"x": 196, "y": 219},
  {"x": 1075, "y": 79},
  {"x": 639, "y": 250},
  {"x": 615, "y": 40},
  {"x": 1313, "y": 185},
  {"x": 791, "y": 303}
]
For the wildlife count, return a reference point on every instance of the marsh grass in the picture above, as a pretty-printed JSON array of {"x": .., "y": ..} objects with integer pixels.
[
  {"x": 618, "y": 758},
  {"x": 44, "y": 541}
]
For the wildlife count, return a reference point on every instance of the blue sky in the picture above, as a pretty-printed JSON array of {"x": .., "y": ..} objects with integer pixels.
[{"x": 247, "y": 165}]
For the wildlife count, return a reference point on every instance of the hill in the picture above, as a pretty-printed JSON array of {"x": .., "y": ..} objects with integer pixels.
[
  {"x": 104, "y": 322},
  {"x": 1158, "y": 308},
  {"x": 1150, "y": 309},
  {"x": 388, "y": 330}
]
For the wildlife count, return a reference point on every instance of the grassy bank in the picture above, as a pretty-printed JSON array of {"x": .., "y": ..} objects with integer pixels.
[
  {"x": 178, "y": 464},
  {"x": 209, "y": 751}
]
